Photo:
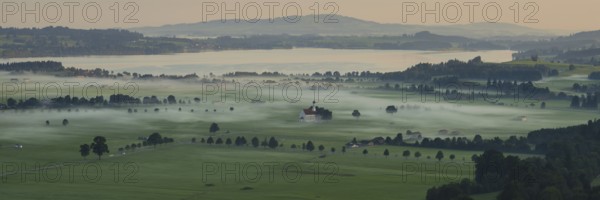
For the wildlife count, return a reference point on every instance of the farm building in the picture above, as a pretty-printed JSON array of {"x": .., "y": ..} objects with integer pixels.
[{"x": 314, "y": 114}]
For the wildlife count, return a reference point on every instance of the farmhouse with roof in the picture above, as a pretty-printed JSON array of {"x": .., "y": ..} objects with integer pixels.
[{"x": 314, "y": 114}]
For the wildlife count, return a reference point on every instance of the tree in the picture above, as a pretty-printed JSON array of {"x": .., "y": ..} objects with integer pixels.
[
  {"x": 478, "y": 140},
  {"x": 575, "y": 102},
  {"x": 255, "y": 142},
  {"x": 214, "y": 127},
  {"x": 343, "y": 149},
  {"x": 398, "y": 139},
  {"x": 154, "y": 139},
  {"x": 512, "y": 191},
  {"x": 417, "y": 155},
  {"x": 452, "y": 156},
  {"x": 386, "y": 153},
  {"x": 243, "y": 141},
  {"x": 321, "y": 148},
  {"x": 47, "y": 123},
  {"x": 391, "y": 109},
  {"x": 365, "y": 152},
  {"x": 228, "y": 141},
  {"x": 84, "y": 150},
  {"x": 230, "y": 108},
  {"x": 406, "y": 153},
  {"x": 439, "y": 155},
  {"x": 534, "y": 58},
  {"x": 65, "y": 122},
  {"x": 310, "y": 146},
  {"x": 332, "y": 150},
  {"x": 11, "y": 103},
  {"x": 453, "y": 191},
  {"x": 543, "y": 105},
  {"x": 273, "y": 143},
  {"x": 356, "y": 114},
  {"x": 551, "y": 193},
  {"x": 490, "y": 178},
  {"x": 99, "y": 146},
  {"x": 202, "y": 140},
  {"x": 171, "y": 99},
  {"x": 210, "y": 140},
  {"x": 219, "y": 141},
  {"x": 193, "y": 140}
]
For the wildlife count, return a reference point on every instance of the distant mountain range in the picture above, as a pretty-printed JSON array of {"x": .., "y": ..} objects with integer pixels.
[{"x": 345, "y": 26}]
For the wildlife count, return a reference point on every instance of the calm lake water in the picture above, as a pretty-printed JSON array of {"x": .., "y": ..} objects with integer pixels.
[{"x": 304, "y": 60}]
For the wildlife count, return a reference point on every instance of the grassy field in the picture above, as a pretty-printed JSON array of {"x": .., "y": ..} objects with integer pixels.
[{"x": 183, "y": 170}]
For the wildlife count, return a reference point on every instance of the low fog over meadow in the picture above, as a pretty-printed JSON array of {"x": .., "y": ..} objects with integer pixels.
[{"x": 277, "y": 111}]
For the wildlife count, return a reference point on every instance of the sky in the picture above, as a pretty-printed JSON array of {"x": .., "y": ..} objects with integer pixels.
[{"x": 572, "y": 15}]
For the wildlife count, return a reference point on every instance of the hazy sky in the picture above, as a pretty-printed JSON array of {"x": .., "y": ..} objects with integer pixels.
[{"x": 572, "y": 15}]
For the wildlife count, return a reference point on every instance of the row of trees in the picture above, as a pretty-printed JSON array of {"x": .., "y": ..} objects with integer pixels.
[
  {"x": 308, "y": 146},
  {"x": 512, "y": 144},
  {"x": 56, "y": 68},
  {"x": 241, "y": 141},
  {"x": 99, "y": 146},
  {"x": 588, "y": 101},
  {"x": 113, "y": 100}
]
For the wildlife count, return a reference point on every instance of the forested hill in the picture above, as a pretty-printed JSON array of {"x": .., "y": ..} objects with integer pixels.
[
  {"x": 571, "y": 164},
  {"x": 333, "y": 25},
  {"x": 61, "y": 41},
  {"x": 580, "y": 48},
  {"x": 473, "y": 69}
]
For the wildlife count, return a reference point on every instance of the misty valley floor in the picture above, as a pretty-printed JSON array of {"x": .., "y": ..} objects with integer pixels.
[{"x": 185, "y": 170}]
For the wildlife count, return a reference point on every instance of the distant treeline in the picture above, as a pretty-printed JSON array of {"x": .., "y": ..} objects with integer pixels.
[
  {"x": 452, "y": 87},
  {"x": 513, "y": 144},
  {"x": 453, "y": 69},
  {"x": 56, "y": 68},
  {"x": 473, "y": 69},
  {"x": 113, "y": 100},
  {"x": 419, "y": 41},
  {"x": 241, "y": 74}
]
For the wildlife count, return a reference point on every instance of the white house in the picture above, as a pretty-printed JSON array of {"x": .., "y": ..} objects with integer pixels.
[{"x": 308, "y": 115}]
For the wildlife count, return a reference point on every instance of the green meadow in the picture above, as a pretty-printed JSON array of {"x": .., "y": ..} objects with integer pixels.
[{"x": 49, "y": 165}]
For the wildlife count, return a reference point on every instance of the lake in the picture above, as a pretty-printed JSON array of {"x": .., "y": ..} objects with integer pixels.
[{"x": 302, "y": 60}]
